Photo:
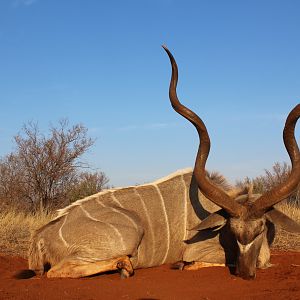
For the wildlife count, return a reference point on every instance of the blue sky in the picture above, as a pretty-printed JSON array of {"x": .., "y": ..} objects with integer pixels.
[{"x": 100, "y": 63}]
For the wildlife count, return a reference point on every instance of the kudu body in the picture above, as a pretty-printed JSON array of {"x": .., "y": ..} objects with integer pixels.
[
  {"x": 184, "y": 217},
  {"x": 127, "y": 228}
]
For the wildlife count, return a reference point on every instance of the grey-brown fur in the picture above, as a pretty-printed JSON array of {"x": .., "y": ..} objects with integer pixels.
[
  {"x": 149, "y": 223},
  {"x": 152, "y": 224}
]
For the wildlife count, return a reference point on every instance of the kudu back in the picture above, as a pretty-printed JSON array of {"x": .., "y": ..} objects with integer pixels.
[{"x": 189, "y": 217}]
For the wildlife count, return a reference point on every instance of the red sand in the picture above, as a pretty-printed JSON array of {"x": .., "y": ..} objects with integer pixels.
[{"x": 282, "y": 281}]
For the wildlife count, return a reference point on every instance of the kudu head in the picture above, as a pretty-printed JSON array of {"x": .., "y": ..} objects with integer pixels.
[{"x": 246, "y": 215}]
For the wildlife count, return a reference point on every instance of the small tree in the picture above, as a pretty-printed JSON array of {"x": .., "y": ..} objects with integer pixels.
[
  {"x": 11, "y": 181},
  {"x": 45, "y": 169}
]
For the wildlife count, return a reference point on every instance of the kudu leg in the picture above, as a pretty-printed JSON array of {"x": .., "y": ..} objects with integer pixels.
[
  {"x": 197, "y": 265},
  {"x": 72, "y": 268},
  {"x": 263, "y": 261}
]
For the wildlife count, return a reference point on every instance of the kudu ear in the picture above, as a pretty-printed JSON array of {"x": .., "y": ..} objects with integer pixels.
[
  {"x": 215, "y": 220},
  {"x": 282, "y": 220}
]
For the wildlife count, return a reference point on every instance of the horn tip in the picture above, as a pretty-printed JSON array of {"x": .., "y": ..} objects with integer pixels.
[{"x": 165, "y": 47}]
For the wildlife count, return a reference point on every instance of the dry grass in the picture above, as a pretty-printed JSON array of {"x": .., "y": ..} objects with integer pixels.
[
  {"x": 285, "y": 240},
  {"x": 16, "y": 228}
]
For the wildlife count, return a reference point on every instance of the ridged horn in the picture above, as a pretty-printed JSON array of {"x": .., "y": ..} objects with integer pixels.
[
  {"x": 210, "y": 191},
  {"x": 283, "y": 190}
]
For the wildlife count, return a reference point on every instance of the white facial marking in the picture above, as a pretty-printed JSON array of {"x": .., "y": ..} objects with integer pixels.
[{"x": 244, "y": 248}]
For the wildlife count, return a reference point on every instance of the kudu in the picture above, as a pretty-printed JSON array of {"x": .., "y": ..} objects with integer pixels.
[
  {"x": 167, "y": 221},
  {"x": 245, "y": 218}
]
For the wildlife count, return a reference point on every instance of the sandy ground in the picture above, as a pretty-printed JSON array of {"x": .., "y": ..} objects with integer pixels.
[{"x": 282, "y": 281}]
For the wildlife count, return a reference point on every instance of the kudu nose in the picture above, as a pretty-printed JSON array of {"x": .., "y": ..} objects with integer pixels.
[
  {"x": 245, "y": 274},
  {"x": 248, "y": 276}
]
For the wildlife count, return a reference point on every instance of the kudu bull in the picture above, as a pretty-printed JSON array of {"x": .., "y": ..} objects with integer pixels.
[
  {"x": 245, "y": 218},
  {"x": 167, "y": 221}
]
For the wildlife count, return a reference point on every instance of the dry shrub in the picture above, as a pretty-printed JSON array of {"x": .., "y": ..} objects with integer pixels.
[
  {"x": 43, "y": 169},
  {"x": 278, "y": 174},
  {"x": 86, "y": 184}
]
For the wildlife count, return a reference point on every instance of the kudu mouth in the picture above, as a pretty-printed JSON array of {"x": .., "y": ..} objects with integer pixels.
[{"x": 217, "y": 195}]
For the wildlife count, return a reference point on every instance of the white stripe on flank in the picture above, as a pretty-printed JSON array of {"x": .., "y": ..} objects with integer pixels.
[
  {"x": 120, "y": 212},
  {"x": 115, "y": 199},
  {"x": 151, "y": 231},
  {"x": 110, "y": 225},
  {"x": 100, "y": 203},
  {"x": 60, "y": 232},
  {"x": 185, "y": 208},
  {"x": 131, "y": 220},
  {"x": 167, "y": 223},
  {"x": 88, "y": 214}
]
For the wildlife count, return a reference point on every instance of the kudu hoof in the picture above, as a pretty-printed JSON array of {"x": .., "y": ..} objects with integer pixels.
[{"x": 125, "y": 267}]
